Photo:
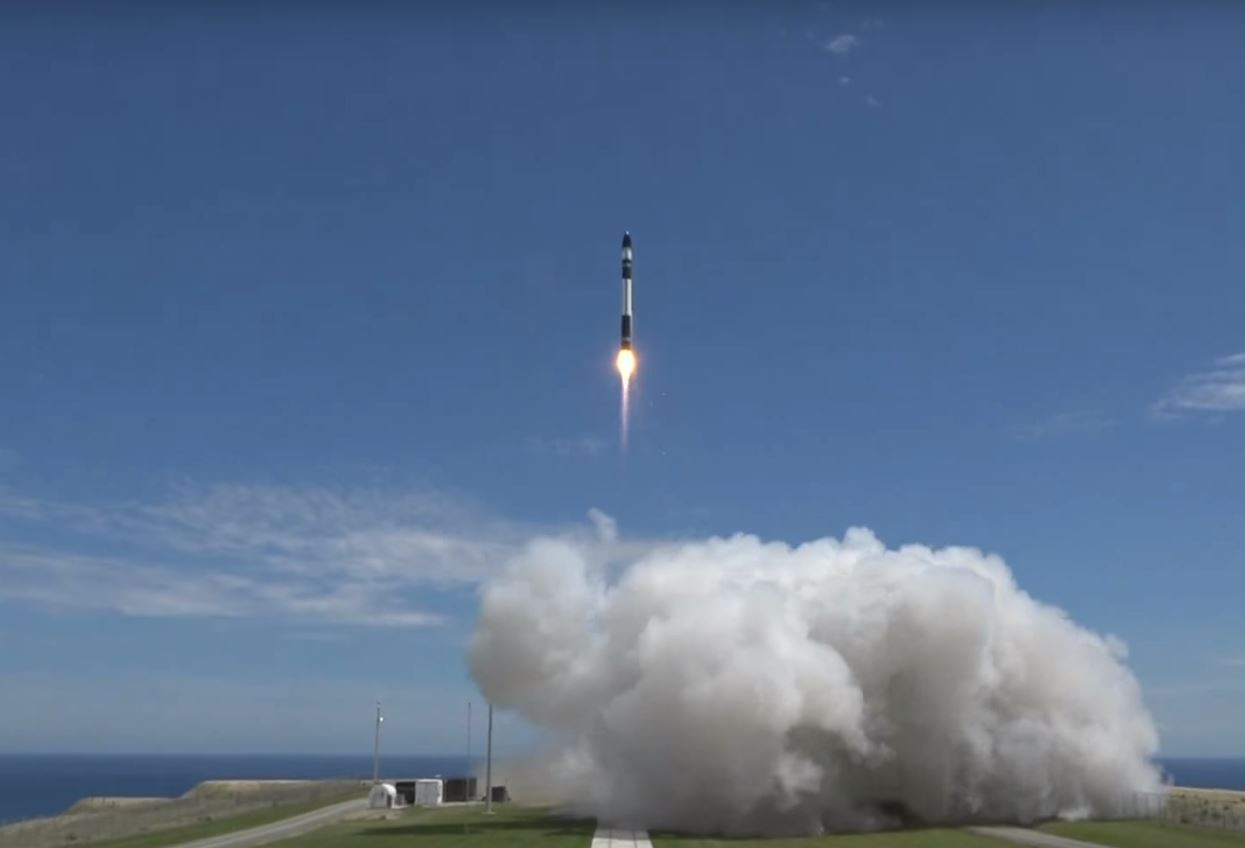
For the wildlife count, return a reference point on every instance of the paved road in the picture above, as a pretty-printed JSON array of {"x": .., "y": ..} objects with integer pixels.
[
  {"x": 1034, "y": 838},
  {"x": 283, "y": 829},
  {"x": 614, "y": 837}
]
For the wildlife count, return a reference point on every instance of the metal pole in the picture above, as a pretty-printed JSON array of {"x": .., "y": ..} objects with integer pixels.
[
  {"x": 376, "y": 747},
  {"x": 488, "y": 768},
  {"x": 468, "y": 739}
]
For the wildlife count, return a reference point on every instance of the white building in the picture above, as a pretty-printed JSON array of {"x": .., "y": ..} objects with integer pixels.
[
  {"x": 429, "y": 792},
  {"x": 383, "y": 795}
]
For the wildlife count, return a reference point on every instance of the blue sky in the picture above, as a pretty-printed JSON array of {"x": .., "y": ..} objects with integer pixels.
[{"x": 307, "y": 319}]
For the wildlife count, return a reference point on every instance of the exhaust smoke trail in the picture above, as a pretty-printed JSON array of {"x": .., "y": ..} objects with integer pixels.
[{"x": 737, "y": 686}]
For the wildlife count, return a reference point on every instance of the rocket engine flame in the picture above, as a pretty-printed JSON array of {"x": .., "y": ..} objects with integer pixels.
[{"x": 626, "y": 367}]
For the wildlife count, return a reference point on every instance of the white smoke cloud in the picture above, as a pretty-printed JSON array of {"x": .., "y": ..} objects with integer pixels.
[{"x": 739, "y": 686}]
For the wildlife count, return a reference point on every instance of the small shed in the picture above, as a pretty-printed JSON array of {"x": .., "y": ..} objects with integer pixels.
[
  {"x": 382, "y": 796},
  {"x": 460, "y": 789},
  {"x": 429, "y": 792}
]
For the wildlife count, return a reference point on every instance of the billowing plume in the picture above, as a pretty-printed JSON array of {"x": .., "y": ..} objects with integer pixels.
[{"x": 739, "y": 686}]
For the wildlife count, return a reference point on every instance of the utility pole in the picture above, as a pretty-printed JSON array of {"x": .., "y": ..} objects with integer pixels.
[
  {"x": 488, "y": 768},
  {"x": 376, "y": 746},
  {"x": 468, "y": 740}
]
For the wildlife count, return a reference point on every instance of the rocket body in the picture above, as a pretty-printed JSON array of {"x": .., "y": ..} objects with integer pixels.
[
  {"x": 625, "y": 361},
  {"x": 626, "y": 291}
]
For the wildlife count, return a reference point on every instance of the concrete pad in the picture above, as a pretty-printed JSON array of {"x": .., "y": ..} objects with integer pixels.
[
  {"x": 1032, "y": 838},
  {"x": 615, "y": 837}
]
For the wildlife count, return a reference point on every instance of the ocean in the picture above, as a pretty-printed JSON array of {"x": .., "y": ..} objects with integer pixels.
[
  {"x": 34, "y": 785},
  {"x": 1206, "y": 772},
  {"x": 43, "y": 785}
]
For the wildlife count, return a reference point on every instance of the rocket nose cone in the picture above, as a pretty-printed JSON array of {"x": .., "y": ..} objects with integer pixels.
[{"x": 626, "y": 239}]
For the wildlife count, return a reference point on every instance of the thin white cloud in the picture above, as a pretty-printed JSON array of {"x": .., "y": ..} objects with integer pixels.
[
  {"x": 18, "y": 506},
  {"x": 62, "y": 580},
  {"x": 1067, "y": 424},
  {"x": 1233, "y": 662},
  {"x": 366, "y": 535},
  {"x": 843, "y": 44},
  {"x": 568, "y": 446},
  {"x": 1220, "y": 388},
  {"x": 308, "y": 555},
  {"x": 845, "y": 81},
  {"x": 872, "y": 102}
]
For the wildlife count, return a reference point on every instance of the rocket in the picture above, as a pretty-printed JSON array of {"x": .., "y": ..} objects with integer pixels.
[
  {"x": 626, "y": 291},
  {"x": 625, "y": 361}
]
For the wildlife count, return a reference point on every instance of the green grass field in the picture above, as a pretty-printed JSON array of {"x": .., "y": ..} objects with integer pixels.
[
  {"x": 227, "y": 824},
  {"x": 1146, "y": 834},
  {"x": 933, "y": 838},
  {"x": 528, "y": 827},
  {"x": 454, "y": 827}
]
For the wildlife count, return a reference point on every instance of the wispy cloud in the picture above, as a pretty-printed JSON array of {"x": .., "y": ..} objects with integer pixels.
[
  {"x": 63, "y": 580},
  {"x": 1220, "y": 388},
  {"x": 68, "y": 580},
  {"x": 374, "y": 535},
  {"x": 1067, "y": 424},
  {"x": 308, "y": 555},
  {"x": 1232, "y": 662},
  {"x": 843, "y": 44},
  {"x": 845, "y": 81},
  {"x": 13, "y": 504},
  {"x": 568, "y": 446}
]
